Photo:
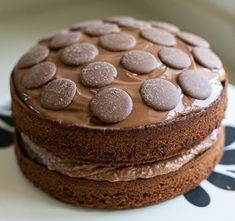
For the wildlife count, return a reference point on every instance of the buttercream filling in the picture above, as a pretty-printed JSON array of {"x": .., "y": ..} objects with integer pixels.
[{"x": 121, "y": 173}]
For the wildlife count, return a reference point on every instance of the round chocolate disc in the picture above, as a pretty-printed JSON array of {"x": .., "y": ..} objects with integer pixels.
[
  {"x": 36, "y": 55},
  {"x": 193, "y": 39},
  {"x": 133, "y": 23},
  {"x": 111, "y": 105},
  {"x": 165, "y": 25},
  {"x": 159, "y": 36},
  {"x": 160, "y": 94},
  {"x": 140, "y": 62},
  {"x": 175, "y": 58},
  {"x": 207, "y": 58},
  {"x": 77, "y": 54},
  {"x": 50, "y": 36},
  {"x": 117, "y": 19},
  {"x": 101, "y": 29},
  {"x": 140, "y": 24},
  {"x": 64, "y": 39},
  {"x": 117, "y": 41},
  {"x": 82, "y": 24},
  {"x": 39, "y": 75},
  {"x": 98, "y": 74},
  {"x": 195, "y": 84},
  {"x": 58, "y": 94}
]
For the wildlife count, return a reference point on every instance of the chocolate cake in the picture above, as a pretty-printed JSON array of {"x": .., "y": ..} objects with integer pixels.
[{"x": 118, "y": 113}]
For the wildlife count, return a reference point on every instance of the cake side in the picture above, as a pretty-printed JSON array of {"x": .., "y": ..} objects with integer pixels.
[{"x": 119, "y": 195}]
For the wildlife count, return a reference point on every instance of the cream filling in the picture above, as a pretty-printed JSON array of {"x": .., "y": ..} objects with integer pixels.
[{"x": 114, "y": 174}]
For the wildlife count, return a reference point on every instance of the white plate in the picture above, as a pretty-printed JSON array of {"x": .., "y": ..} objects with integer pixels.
[{"x": 20, "y": 200}]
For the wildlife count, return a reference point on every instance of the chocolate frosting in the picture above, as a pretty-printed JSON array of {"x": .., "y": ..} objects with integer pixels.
[
  {"x": 79, "y": 113},
  {"x": 115, "y": 174}
]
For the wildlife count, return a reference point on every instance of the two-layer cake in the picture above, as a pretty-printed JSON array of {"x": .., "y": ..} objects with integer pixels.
[{"x": 118, "y": 113}]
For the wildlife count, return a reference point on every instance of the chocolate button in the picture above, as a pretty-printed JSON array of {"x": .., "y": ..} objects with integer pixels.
[
  {"x": 166, "y": 26},
  {"x": 101, "y": 29},
  {"x": 117, "y": 19},
  {"x": 160, "y": 94},
  {"x": 195, "y": 84},
  {"x": 57, "y": 32},
  {"x": 140, "y": 62},
  {"x": 98, "y": 74},
  {"x": 83, "y": 24},
  {"x": 64, "y": 39},
  {"x": 193, "y": 39},
  {"x": 58, "y": 94},
  {"x": 39, "y": 75},
  {"x": 34, "y": 56},
  {"x": 159, "y": 36},
  {"x": 207, "y": 58},
  {"x": 79, "y": 53},
  {"x": 117, "y": 42},
  {"x": 174, "y": 58},
  {"x": 141, "y": 24},
  {"x": 111, "y": 105},
  {"x": 132, "y": 23}
]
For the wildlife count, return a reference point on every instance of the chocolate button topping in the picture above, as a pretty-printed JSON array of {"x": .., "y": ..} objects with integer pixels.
[
  {"x": 140, "y": 24},
  {"x": 101, "y": 29},
  {"x": 64, "y": 39},
  {"x": 207, "y": 58},
  {"x": 159, "y": 36},
  {"x": 195, "y": 84},
  {"x": 57, "y": 32},
  {"x": 140, "y": 62},
  {"x": 135, "y": 24},
  {"x": 174, "y": 58},
  {"x": 117, "y": 19},
  {"x": 98, "y": 74},
  {"x": 39, "y": 75},
  {"x": 58, "y": 94},
  {"x": 111, "y": 105},
  {"x": 36, "y": 55},
  {"x": 166, "y": 26},
  {"x": 78, "y": 54},
  {"x": 117, "y": 42},
  {"x": 83, "y": 24},
  {"x": 160, "y": 94},
  {"x": 105, "y": 60},
  {"x": 193, "y": 39}
]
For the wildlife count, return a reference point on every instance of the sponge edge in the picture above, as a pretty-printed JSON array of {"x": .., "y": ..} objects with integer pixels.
[{"x": 120, "y": 195}]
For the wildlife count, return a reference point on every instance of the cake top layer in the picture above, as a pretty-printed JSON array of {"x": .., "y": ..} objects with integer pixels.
[{"x": 118, "y": 73}]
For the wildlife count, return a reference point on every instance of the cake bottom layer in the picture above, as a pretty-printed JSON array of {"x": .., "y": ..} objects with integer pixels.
[{"x": 123, "y": 194}]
